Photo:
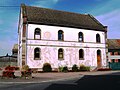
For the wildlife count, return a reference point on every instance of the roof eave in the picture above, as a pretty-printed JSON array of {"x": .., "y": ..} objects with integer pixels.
[{"x": 71, "y": 26}]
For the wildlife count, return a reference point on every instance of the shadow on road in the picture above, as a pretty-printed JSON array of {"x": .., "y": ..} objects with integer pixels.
[{"x": 91, "y": 82}]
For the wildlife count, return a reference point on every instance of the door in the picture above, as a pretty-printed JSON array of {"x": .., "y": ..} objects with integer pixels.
[{"x": 98, "y": 58}]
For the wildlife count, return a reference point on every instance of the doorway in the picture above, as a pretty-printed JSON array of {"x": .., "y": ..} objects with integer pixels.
[{"x": 98, "y": 58}]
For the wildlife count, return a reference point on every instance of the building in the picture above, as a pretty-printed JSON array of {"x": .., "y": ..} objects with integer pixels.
[
  {"x": 10, "y": 59},
  {"x": 15, "y": 50},
  {"x": 114, "y": 50},
  {"x": 114, "y": 53},
  {"x": 60, "y": 38}
]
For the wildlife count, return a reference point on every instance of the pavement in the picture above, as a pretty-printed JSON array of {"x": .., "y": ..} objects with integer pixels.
[{"x": 50, "y": 77}]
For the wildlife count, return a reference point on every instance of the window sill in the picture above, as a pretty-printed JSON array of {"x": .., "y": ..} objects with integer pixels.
[
  {"x": 61, "y": 59},
  {"x": 81, "y": 58},
  {"x": 37, "y": 58}
]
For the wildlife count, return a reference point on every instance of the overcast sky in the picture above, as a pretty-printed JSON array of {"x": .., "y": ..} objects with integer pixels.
[{"x": 106, "y": 11}]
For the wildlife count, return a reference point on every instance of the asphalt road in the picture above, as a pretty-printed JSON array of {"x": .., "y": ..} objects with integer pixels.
[{"x": 87, "y": 82}]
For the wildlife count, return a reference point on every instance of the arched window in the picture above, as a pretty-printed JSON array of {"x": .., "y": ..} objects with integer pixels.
[
  {"x": 97, "y": 38},
  {"x": 37, "y": 53},
  {"x": 60, "y": 35},
  {"x": 80, "y": 37},
  {"x": 60, "y": 54},
  {"x": 37, "y": 33},
  {"x": 81, "y": 54}
]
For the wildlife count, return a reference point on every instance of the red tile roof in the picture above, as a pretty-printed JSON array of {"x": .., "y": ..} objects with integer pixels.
[{"x": 113, "y": 43}]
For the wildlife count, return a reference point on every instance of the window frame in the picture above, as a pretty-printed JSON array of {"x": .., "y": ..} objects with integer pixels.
[
  {"x": 37, "y": 34},
  {"x": 80, "y": 35},
  {"x": 81, "y": 57},
  {"x": 60, "y": 35},
  {"x": 98, "y": 38},
  {"x": 39, "y": 50},
  {"x": 62, "y": 52}
]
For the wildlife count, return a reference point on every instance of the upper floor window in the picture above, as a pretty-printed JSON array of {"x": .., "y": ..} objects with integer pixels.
[
  {"x": 81, "y": 54},
  {"x": 60, "y": 54},
  {"x": 97, "y": 38},
  {"x": 36, "y": 53},
  {"x": 80, "y": 37},
  {"x": 37, "y": 33},
  {"x": 60, "y": 35}
]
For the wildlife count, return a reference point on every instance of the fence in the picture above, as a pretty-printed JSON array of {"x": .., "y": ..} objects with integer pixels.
[{"x": 114, "y": 65}]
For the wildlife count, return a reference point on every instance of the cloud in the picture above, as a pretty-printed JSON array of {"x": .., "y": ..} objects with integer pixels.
[
  {"x": 106, "y": 6},
  {"x": 45, "y": 3},
  {"x": 111, "y": 19}
]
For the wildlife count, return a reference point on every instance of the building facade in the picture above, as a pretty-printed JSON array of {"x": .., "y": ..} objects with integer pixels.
[
  {"x": 60, "y": 38},
  {"x": 114, "y": 50}
]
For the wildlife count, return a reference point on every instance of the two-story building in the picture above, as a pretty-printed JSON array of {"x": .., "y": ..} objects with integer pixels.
[{"x": 60, "y": 38}]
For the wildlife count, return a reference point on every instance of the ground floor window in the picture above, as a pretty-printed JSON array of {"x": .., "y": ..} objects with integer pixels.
[
  {"x": 60, "y": 54},
  {"x": 81, "y": 54},
  {"x": 37, "y": 53}
]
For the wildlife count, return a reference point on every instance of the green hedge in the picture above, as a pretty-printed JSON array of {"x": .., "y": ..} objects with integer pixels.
[
  {"x": 63, "y": 69},
  {"x": 84, "y": 68},
  {"x": 47, "y": 67},
  {"x": 75, "y": 68}
]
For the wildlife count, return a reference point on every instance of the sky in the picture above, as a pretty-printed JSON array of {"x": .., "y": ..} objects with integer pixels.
[{"x": 106, "y": 11}]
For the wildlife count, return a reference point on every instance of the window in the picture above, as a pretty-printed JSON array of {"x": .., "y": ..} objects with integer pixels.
[
  {"x": 80, "y": 37},
  {"x": 60, "y": 53},
  {"x": 113, "y": 60},
  {"x": 60, "y": 35},
  {"x": 37, "y": 33},
  {"x": 81, "y": 54},
  {"x": 97, "y": 38},
  {"x": 36, "y": 53}
]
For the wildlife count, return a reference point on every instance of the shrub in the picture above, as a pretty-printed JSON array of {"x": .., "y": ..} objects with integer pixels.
[
  {"x": 25, "y": 68},
  {"x": 26, "y": 71},
  {"x": 60, "y": 68},
  {"x": 9, "y": 68},
  {"x": 8, "y": 72},
  {"x": 75, "y": 68},
  {"x": 84, "y": 68},
  {"x": 47, "y": 67},
  {"x": 17, "y": 68},
  {"x": 65, "y": 69}
]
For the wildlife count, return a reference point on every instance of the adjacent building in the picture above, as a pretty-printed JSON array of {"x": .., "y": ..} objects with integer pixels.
[
  {"x": 114, "y": 50},
  {"x": 10, "y": 59},
  {"x": 60, "y": 38}
]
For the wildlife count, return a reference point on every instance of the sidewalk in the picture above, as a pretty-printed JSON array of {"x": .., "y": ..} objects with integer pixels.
[{"x": 48, "y": 77}]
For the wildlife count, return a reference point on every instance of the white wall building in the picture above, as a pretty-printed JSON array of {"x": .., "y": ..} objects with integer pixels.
[{"x": 60, "y": 38}]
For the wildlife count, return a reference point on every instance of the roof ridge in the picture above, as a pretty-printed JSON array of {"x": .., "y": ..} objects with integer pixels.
[{"x": 58, "y": 10}]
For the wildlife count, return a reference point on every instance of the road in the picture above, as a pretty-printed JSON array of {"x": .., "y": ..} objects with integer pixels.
[{"x": 87, "y": 82}]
